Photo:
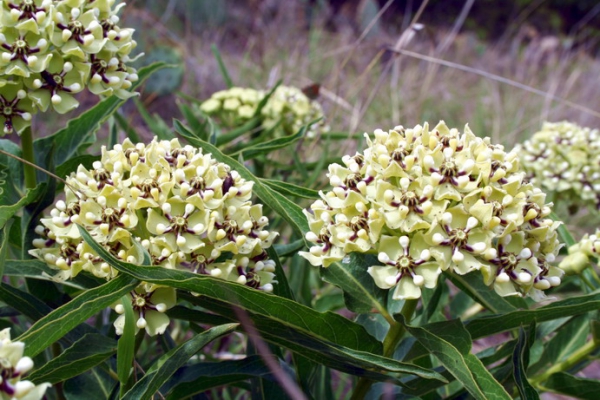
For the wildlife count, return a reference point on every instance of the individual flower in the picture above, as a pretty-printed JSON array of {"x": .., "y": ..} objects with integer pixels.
[
  {"x": 184, "y": 208},
  {"x": 13, "y": 366},
  {"x": 427, "y": 201},
  {"x": 562, "y": 158},
  {"x": 149, "y": 308}
]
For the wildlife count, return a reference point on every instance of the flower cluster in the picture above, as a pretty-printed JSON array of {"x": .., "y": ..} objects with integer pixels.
[
  {"x": 286, "y": 111},
  {"x": 184, "y": 208},
  {"x": 563, "y": 159},
  {"x": 580, "y": 253},
  {"x": 13, "y": 366},
  {"x": 427, "y": 201},
  {"x": 51, "y": 50}
]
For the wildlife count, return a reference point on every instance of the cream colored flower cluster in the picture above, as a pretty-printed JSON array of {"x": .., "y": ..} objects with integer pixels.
[
  {"x": 580, "y": 254},
  {"x": 51, "y": 50},
  {"x": 287, "y": 110},
  {"x": 427, "y": 201},
  {"x": 13, "y": 366},
  {"x": 563, "y": 159},
  {"x": 184, "y": 208}
]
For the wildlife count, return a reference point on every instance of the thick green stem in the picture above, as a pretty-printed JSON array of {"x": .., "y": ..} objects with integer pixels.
[
  {"x": 390, "y": 342},
  {"x": 28, "y": 155},
  {"x": 573, "y": 359}
]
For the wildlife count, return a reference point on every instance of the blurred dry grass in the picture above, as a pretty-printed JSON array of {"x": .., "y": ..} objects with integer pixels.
[{"x": 366, "y": 86}]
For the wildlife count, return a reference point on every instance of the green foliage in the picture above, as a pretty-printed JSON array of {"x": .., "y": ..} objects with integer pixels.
[{"x": 333, "y": 332}]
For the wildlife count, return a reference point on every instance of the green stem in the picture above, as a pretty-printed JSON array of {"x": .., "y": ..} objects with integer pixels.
[
  {"x": 27, "y": 147},
  {"x": 585, "y": 280},
  {"x": 565, "y": 365},
  {"x": 390, "y": 342},
  {"x": 594, "y": 274}
]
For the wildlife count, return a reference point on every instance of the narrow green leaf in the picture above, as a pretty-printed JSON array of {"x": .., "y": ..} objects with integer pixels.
[
  {"x": 32, "y": 195},
  {"x": 87, "y": 386},
  {"x": 564, "y": 233},
  {"x": 193, "y": 121},
  {"x": 126, "y": 345},
  {"x": 35, "y": 309},
  {"x": 464, "y": 366},
  {"x": 361, "y": 295},
  {"x": 289, "y": 189},
  {"x": 36, "y": 269},
  {"x": 200, "y": 377},
  {"x": 127, "y": 128},
  {"x": 572, "y": 386},
  {"x": 154, "y": 122},
  {"x": 248, "y": 127},
  {"x": 72, "y": 164},
  {"x": 491, "y": 325},
  {"x": 222, "y": 68},
  {"x": 520, "y": 364},
  {"x": 286, "y": 208},
  {"x": 4, "y": 234},
  {"x": 570, "y": 337},
  {"x": 263, "y": 148},
  {"x": 60, "y": 321},
  {"x": 79, "y": 130},
  {"x": 166, "y": 366},
  {"x": 472, "y": 284},
  {"x": 89, "y": 351},
  {"x": 289, "y": 249},
  {"x": 13, "y": 186},
  {"x": 282, "y": 288},
  {"x": 327, "y": 338},
  {"x": 113, "y": 132}
]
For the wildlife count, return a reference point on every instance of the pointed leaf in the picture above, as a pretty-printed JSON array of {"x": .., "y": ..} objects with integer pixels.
[
  {"x": 520, "y": 363},
  {"x": 289, "y": 189},
  {"x": 89, "y": 351},
  {"x": 464, "y": 366},
  {"x": 361, "y": 295},
  {"x": 266, "y": 147},
  {"x": 4, "y": 233},
  {"x": 126, "y": 345},
  {"x": 32, "y": 195},
  {"x": 324, "y": 337},
  {"x": 572, "y": 386},
  {"x": 491, "y": 325},
  {"x": 200, "y": 377},
  {"x": 60, "y": 321},
  {"x": 166, "y": 366}
]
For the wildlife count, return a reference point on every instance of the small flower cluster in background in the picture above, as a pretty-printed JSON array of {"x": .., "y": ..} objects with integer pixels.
[
  {"x": 184, "y": 208},
  {"x": 51, "y": 50},
  {"x": 580, "y": 253},
  {"x": 286, "y": 111},
  {"x": 13, "y": 366},
  {"x": 563, "y": 159},
  {"x": 427, "y": 201}
]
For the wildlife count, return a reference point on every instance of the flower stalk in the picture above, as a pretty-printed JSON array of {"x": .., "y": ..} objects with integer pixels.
[
  {"x": 390, "y": 343},
  {"x": 28, "y": 155}
]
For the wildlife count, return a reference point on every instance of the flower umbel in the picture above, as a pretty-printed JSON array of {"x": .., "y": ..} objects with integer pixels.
[
  {"x": 184, "y": 208},
  {"x": 50, "y": 50},
  {"x": 427, "y": 201}
]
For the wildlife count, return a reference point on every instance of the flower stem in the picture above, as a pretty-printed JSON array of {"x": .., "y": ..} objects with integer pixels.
[
  {"x": 390, "y": 342},
  {"x": 580, "y": 354},
  {"x": 27, "y": 147}
]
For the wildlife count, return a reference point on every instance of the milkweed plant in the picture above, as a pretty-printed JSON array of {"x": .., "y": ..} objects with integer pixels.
[{"x": 207, "y": 261}]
